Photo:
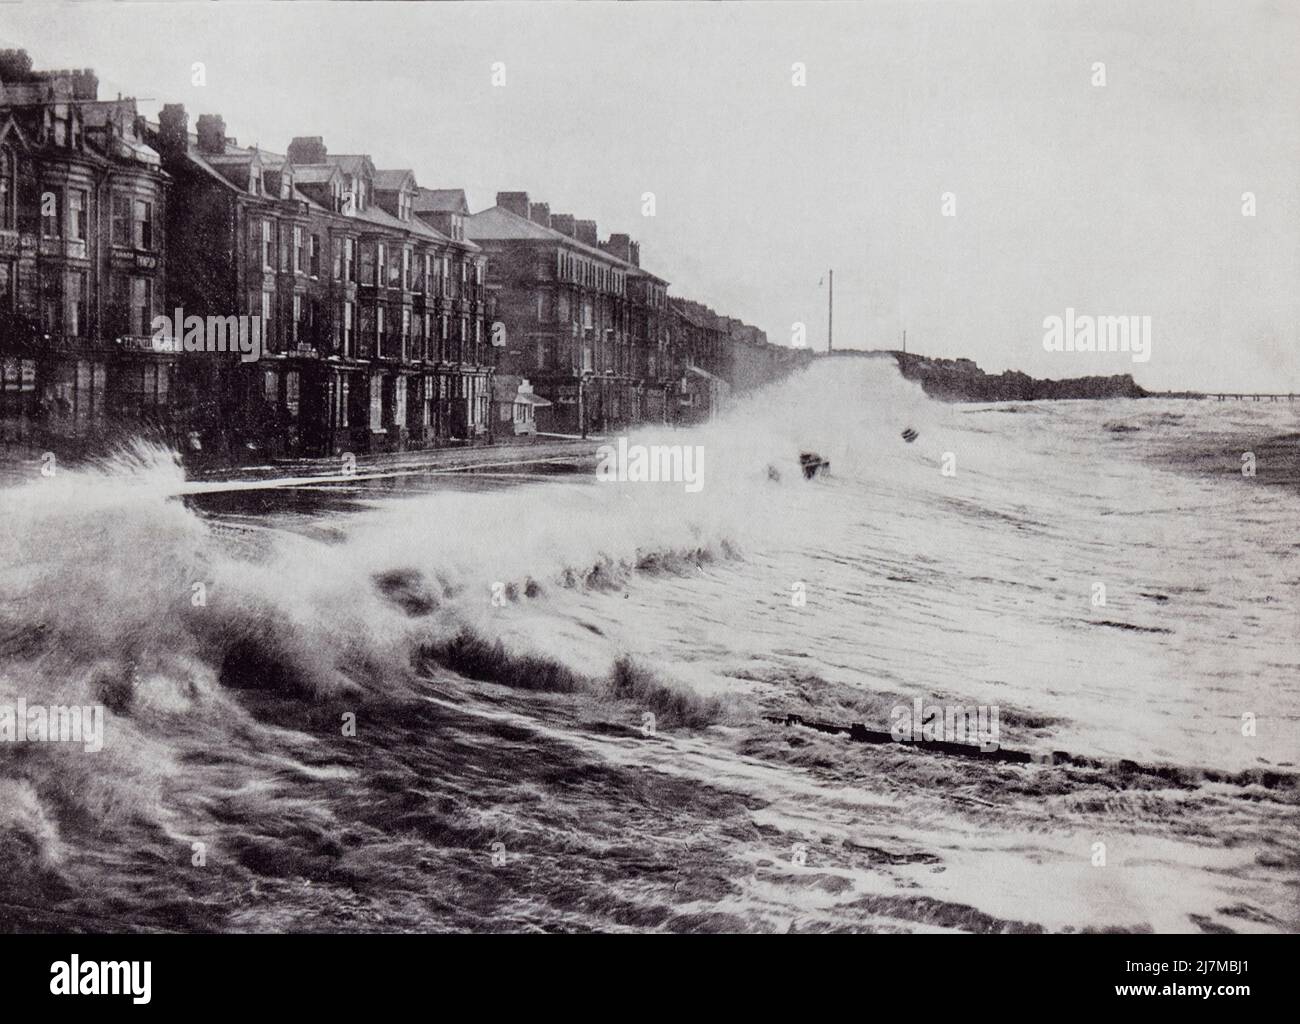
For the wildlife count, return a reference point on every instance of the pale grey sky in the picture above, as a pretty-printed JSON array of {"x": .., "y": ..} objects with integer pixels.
[{"x": 1122, "y": 199}]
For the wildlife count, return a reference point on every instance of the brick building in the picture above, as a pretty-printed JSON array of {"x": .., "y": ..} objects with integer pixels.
[
  {"x": 578, "y": 316},
  {"x": 368, "y": 345},
  {"x": 83, "y": 202}
]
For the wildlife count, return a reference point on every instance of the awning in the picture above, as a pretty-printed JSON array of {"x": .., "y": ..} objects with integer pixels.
[{"x": 528, "y": 399}]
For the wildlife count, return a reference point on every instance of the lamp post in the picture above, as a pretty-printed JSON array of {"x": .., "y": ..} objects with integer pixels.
[{"x": 582, "y": 405}]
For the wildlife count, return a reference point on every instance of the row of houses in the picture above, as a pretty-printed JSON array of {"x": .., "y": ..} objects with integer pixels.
[{"x": 388, "y": 315}]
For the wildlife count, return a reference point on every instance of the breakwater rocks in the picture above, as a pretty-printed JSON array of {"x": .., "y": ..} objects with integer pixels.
[{"x": 960, "y": 380}]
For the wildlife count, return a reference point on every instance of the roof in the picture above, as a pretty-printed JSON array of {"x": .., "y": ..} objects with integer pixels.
[
  {"x": 500, "y": 224},
  {"x": 314, "y": 174},
  {"x": 381, "y": 217},
  {"x": 441, "y": 200},
  {"x": 391, "y": 181},
  {"x": 349, "y": 163}
]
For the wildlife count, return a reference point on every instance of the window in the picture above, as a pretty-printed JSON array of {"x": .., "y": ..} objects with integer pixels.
[
  {"x": 7, "y": 191},
  {"x": 6, "y": 285},
  {"x": 406, "y": 269},
  {"x": 121, "y": 219},
  {"x": 336, "y": 251},
  {"x": 291, "y": 392},
  {"x": 380, "y": 265},
  {"x": 141, "y": 305},
  {"x": 50, "y": 221},
  {"x": 142, "y": 229},
  {"x": 394, "y": 269},
  {"x": 144, "y": 387},
  {"x": 349, "y": 321},
  {"x": 297, "y": 249},
  {"x": 366, "y": 331},
  {"x": 350, "y": 260},
  {"x": 315, "y": 255},
  {"x": 379, "y": 331},
  {"x": 268, "y": 321},
  {"x": 368, "y": 263},
  {"x": 427, "y": 278},
  {"x": 297, "y": 316},
  {"x": 51, "y": 297},
  {"x": 75, "y": 309},
  {"x": 406, "y": 332},
  {"x": 267, "y": 263},
  {"x": 77, "y": 214}
]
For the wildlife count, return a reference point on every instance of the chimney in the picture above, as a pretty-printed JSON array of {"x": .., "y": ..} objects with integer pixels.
[
  {"x": 173, "y": 131},
  {"x": 634, "y": 253},
  {"x": 587, "y": 232},
  {"x": 540, "y": 213},
  {"x": 212, "y": 133},
  {"x": 15, "y": 66},
  {"x": 307, "y": 149},
  {"x": 563, "y": 223},
  {"x": 515, "y": 202},
  {"x": 85, "y": 84},
  {"x": 620, "y": 246}
]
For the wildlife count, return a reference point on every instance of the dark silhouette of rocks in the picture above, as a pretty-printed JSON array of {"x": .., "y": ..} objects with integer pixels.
[{"x": 960, "y": 380}]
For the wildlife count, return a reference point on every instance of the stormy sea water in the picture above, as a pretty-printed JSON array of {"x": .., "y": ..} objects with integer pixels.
[{"x": 530, "y": 700}]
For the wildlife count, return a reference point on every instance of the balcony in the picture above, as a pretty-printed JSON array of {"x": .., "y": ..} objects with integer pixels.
[{"x": 63, "y": 248}]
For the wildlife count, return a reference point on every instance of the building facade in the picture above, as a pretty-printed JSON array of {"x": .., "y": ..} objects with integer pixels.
[
  {"x": 373, "y": 331},
  {"x": 380, "y": 311},
  {"x": 83, "y": 203},
  {"x": 579, "y": 317}
]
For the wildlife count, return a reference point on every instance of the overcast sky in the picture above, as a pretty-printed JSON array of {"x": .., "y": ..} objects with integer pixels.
[{"x": 1122, "y": 199}]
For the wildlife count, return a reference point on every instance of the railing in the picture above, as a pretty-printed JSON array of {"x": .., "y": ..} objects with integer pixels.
[{"x": 148, "y": 343}]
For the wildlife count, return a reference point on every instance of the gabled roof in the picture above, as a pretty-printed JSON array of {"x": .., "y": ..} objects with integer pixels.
[
  {"x": 11, "y": 127},
  {"x": 315, "y": 174},
  {"x": 391, "y": 181},
  {"x": 441, "y": 200},
  {"x": 351, "y": 163}
]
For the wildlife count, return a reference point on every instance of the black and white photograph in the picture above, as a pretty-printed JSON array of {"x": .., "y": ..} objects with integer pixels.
[{"x": 760, "y": 468}]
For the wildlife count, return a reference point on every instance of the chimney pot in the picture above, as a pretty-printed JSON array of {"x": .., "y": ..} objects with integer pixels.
[
  {"x": 173, "y": 131},
  {"x": 515, "y": 202},
  {"x": 211, "y": 130},
  {"x": 307, "y": 149}
]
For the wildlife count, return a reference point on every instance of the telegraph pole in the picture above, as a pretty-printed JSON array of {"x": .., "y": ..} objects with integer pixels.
[{"x": 830, "y": 314}]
